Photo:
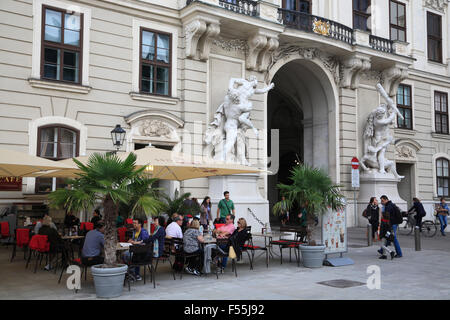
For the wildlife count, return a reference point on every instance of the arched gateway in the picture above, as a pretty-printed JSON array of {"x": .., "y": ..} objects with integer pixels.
[{"x": 303, "y": 106}]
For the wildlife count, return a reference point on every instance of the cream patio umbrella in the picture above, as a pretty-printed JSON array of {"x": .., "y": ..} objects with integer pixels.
[
  {"x": 19, "y": 164},
  {"x": 163, "y": 164},
  {"x": 171, "y": 165}
]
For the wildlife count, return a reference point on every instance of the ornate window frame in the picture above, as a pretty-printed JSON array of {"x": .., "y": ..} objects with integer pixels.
[{"x": 33, "y": 128}]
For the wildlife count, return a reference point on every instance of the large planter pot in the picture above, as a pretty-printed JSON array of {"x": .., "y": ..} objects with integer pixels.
[
  {"x": 109, "y": 281},
  {"x": 312, "y": 256}
]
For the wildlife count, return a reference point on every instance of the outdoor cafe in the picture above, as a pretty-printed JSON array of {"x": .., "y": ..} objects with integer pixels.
[{"x": 76, "y": 234}]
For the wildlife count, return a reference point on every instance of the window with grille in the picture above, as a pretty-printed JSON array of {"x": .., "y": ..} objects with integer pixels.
[
  {"x": 62, "y": 45},
  {"x": 361, "y": 15},
  {"x": 397, "y": 13},
  {"x": 155, "y": 62},
  {"x": 404, "y": 105},
  {"x": 441, "y": 112},
  {"x": 442, "y": 177},
  {"x": 434, "y": 33}
]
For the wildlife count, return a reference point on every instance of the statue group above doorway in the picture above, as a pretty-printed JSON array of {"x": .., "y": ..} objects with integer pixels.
[{"x": 225, "y": 137}]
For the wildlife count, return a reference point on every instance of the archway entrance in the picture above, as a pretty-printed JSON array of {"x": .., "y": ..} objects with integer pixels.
[{"x": 302, "y": 106}]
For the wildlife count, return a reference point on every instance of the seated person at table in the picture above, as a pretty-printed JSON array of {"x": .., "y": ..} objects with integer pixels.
[
  {"x": 227, "y": 230},
  {"x": 93, "y": 246},
  {"x": 97, "y": 217},
  {"x": 53, "y": 236},
  {"x": 157, "y": 237},
  {"x": 191, "y": 243},
  {"x": 173, "y": 230},
  {"x": 70, "y": 220},
  {"x": 140, "y": 235},
  {"x": 238, "y": 238},
  {"x": 39, "y": 224}
]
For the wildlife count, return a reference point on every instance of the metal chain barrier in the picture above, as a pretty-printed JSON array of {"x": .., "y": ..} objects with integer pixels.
[{"x": 256, "y": 218}]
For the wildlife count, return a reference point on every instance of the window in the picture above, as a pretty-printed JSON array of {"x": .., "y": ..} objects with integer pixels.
[
  {"x": 404, "y": 106},
  {"x": 434, "y": 32},
  {"x": 155, "y": 62},
  {"x": 61, "y": 45},
  {"x": 397, "y": 14},
  {"x": 441, "y": 112},
  {"x": 361, "y": 15},
  {"x": 55, "y": 143},
  {"x": 297, "y": 5},
  {"x": 442, "y": 177}
]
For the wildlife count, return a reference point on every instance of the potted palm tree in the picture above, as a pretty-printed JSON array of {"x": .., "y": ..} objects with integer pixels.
[
  {"x": 312, "y": 189},
  {"x": 108, "y": 179}
]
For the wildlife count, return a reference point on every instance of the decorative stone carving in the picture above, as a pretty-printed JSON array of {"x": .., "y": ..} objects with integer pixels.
[
  {"x": 155, "y": 128},
  {"x": 199, "y": 34},
  {"x": 231, "y": 44},
  {"x": 351, "y": 70},
  {"x": 377, "y": 137},
  {"x": 403, "y": 151},
  {"x": 439, "y": 5},
  {"x": 256, "y": 43},
  {"x": 328, "y": 61},
  {"x": 392, "y": 77},
  {"x": 193, "y": 31},
  {"x": 205, "y": 41},
  {"x": 265, "y": 54},
  {"x": 225, "y": 137},
  {"x": 371, "y": 76}
]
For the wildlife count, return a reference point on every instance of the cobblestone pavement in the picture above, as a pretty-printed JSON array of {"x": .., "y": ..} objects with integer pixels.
[{"x": 417, "y": 275}]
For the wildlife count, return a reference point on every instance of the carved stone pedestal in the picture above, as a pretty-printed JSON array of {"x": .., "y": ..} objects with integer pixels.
[
  {"x": 375, "y": 184},
  {"x": 244, "y": 192}
]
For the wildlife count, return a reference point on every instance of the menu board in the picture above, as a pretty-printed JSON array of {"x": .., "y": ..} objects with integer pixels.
[{"x": 334, "y": 231}]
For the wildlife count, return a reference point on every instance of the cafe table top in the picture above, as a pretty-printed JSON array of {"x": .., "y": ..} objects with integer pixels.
[
  {"x": 208, "y": 241},
  {"x": 72, "y": 237},
  {"x": 259, "y": 234},
  {"x": 120, "y": 248}
]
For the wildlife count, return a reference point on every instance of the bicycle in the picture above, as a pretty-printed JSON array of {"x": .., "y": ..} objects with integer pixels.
[
  {"x": 429, "y": 227},
  {"x": 407, "y": 227}
]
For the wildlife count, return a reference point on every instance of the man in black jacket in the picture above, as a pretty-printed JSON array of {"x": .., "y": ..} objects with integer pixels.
[{"x": 389, "y": 207}]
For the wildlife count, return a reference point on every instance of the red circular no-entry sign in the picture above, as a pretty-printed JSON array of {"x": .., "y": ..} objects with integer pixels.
[{"x": 355, "y": 163}]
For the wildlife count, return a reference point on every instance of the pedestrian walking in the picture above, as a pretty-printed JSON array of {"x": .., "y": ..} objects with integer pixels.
[
  {"x": 225, "y": 207},
  {"x": 393, "y": 212},
  {"x": 372, "y": 213},
  {"x": 385, "y": 232},
  {"x": 442, "y": 213},
  {"x": 205, "y": 212}
]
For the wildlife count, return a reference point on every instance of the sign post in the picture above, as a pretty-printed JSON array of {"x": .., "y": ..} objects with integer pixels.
[{"x": 355, "y": 184}]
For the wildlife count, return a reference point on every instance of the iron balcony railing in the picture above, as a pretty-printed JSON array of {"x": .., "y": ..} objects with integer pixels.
[
  {"x": 381, "y": 44},
  {"x": 309, "y": 23}
]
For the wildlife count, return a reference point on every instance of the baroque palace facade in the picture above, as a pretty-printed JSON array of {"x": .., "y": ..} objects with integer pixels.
[{"x": 71, "y": 70}]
